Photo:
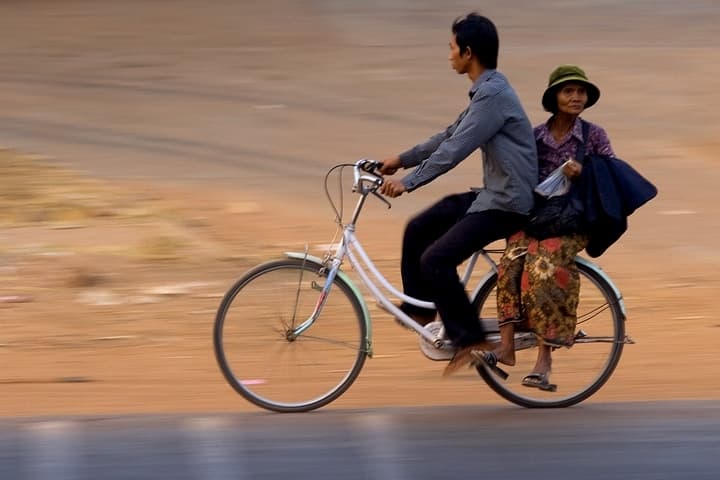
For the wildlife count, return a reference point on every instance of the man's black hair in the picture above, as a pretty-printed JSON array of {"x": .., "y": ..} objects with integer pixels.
[{"x": 479, "y": 34}]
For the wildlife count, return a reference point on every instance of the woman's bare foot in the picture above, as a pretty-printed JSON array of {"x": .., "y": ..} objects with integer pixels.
[
  {"x": 543, "y": 364},
  {"x": 540, "y": 376},
  {"x": 505, "y": 355},
  {"x": 505, "y": 352}
]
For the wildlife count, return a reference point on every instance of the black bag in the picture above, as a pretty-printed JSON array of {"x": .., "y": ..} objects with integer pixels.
[
  {"x": 556, "y": 216},
  {"x": 560, "y": 215}
]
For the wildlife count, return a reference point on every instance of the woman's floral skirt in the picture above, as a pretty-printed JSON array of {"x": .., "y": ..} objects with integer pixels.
[{"x": 539, "y": 285}]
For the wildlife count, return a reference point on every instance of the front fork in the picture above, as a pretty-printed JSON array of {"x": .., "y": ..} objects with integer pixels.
[{"x": 324, "y": 290}]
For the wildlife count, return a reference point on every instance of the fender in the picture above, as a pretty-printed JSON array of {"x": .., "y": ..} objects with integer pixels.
[
  {"x": 482, "y": 282},
  {"x": 353, "y": 287},
  {"x": 601, "y": 273}
]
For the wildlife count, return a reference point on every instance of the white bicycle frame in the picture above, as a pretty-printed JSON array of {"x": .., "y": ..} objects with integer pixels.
[
  {"x": 350, "y": 247},
  {"x": 375, "y": 282}
]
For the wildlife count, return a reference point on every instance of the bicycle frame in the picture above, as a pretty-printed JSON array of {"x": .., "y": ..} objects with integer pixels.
[
  {"x": 375, "y": 282},
  {"x": 351, "y": 247}
]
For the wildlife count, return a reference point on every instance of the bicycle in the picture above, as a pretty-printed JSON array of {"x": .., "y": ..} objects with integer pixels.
[{"x": 285, "y": 339}]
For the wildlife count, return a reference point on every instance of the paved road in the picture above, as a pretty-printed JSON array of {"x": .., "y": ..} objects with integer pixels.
[{"x": 591, "y": 441}]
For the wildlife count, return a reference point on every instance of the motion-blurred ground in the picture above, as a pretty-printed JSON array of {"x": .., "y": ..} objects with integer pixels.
[{"x": 165, "y": 147}]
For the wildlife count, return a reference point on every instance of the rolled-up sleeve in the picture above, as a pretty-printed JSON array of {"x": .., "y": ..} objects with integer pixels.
[{"x": 478, "y": 125}]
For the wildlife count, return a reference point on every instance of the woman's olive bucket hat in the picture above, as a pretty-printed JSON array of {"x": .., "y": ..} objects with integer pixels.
[{"x": 563, "y": 74}]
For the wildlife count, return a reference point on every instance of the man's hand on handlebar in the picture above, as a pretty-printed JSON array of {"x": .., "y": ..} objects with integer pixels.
[
  {"x": 390, "y": 166},
  {"x": 392, "y": 188}
]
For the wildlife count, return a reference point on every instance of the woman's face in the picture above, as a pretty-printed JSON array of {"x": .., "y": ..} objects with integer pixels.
[
  {"x": 459, "y": 60},
  {"x": 572, "y": 98}
]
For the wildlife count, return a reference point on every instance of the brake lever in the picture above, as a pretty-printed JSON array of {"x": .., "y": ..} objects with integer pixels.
[{"x": 384, "y": 200}]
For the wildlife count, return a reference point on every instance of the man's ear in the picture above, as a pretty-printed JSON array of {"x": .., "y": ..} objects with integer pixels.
[{"x": 467, "y": 52}]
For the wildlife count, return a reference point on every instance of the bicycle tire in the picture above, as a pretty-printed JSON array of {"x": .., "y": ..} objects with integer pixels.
[
  {"x": 253, "y": 319},
  {"x": 572, "y": 365}
]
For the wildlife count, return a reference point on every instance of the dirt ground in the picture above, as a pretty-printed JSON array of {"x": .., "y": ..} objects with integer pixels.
[{"x": 149, "y": 163}]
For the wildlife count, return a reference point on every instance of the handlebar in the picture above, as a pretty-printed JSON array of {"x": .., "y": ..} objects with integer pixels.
[
  {"x": 366, "y": 175},
  {"x": 369, "y": 166},
  {"x": 368, "y": 178}
]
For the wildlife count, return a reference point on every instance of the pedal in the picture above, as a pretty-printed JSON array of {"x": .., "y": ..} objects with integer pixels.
[{"x": 443, "y": 353}]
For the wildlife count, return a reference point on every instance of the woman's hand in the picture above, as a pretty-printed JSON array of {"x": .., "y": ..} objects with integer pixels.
[{"x": 572, "y": 168}]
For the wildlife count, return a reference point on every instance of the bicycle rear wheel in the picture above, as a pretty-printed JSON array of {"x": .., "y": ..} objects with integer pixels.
[
  {"x": 578, "y": 371},
  {"x": 272, "y": 368}
]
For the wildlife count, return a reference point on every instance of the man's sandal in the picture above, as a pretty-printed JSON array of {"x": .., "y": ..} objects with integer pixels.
[{"x": 465, "y": 357}]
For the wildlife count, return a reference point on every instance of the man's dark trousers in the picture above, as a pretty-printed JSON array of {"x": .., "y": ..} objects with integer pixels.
[{"x": 438, "y": 240}]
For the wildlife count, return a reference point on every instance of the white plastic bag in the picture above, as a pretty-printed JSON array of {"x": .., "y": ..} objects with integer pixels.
[{"x": 555, "y": 184}]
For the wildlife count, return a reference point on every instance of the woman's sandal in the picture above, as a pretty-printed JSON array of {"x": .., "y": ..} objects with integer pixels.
[
  {"x": 490, "y": 361},
  {"x": 539, "y": 380}
]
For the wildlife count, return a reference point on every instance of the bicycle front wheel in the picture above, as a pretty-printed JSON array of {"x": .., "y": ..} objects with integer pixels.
[
  {"x": 578, "y": 371},
  {"x": 261, "y": 353}
]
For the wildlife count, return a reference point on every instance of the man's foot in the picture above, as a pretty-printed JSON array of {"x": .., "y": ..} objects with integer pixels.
[{"x": 466, "y": 357}]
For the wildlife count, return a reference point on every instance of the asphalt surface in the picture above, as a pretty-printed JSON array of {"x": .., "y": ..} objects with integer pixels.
[{"x": 591, "y": 441}]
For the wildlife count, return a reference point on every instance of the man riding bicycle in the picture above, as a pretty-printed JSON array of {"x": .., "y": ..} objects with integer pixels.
[{"x": 441, "y": 237}]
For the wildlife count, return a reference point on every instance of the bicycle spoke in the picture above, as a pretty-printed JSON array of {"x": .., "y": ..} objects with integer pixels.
[
  {"x": 577, "y": 371},
  {"x": 256, "y": 338}
]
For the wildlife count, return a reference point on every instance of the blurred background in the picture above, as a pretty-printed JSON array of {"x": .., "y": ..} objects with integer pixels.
[
  {"x": 151, "y": 151},
  {"x": 149, "y": 142}
]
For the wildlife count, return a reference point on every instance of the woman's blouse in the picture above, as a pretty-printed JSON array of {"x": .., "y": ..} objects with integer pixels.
[{"x": 552, "y": 154}]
